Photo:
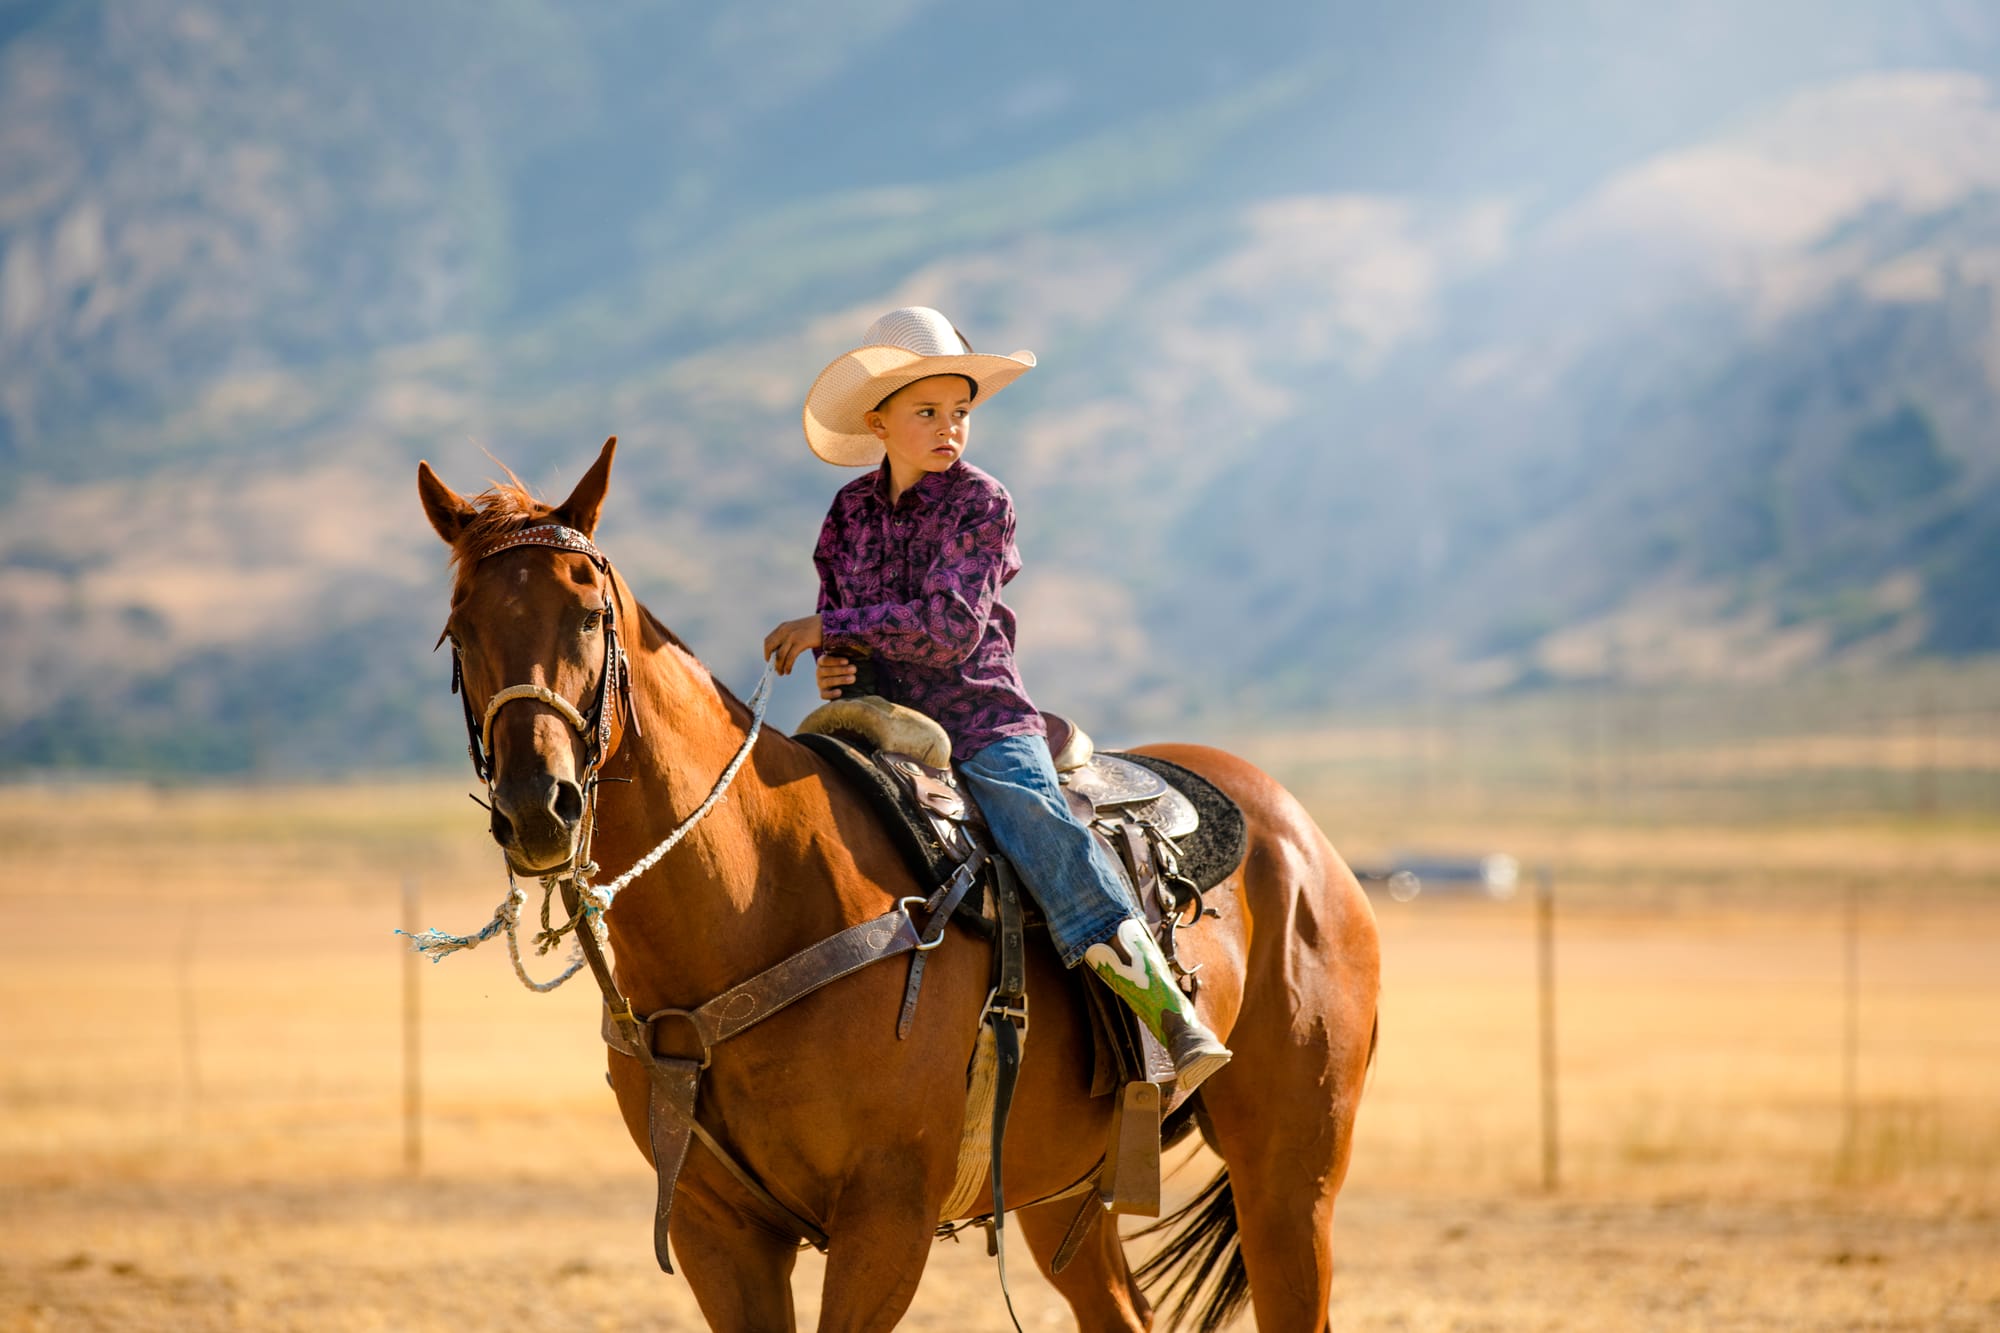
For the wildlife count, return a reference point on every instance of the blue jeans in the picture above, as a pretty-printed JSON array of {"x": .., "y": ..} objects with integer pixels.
[{"x": 1083, "y": 896}]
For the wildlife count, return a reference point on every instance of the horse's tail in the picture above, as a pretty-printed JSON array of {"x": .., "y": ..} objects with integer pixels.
[{"x": 1201, "y": 1251}]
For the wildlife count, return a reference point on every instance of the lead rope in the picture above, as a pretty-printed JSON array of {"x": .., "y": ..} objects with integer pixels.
[{"x": 595, "y": 900}]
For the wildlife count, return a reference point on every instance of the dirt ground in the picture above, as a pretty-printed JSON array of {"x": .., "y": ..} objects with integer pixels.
[
  {"x": 202, "y": 1083},
  {"x": 513, "y": 1254}
]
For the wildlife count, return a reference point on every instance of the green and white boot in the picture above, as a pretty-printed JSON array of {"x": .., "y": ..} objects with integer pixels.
[{"x": 1131, "y": 964}]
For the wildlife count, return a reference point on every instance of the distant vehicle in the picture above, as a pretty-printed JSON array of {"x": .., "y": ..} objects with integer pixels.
[{"x": 1495, "y": 875}]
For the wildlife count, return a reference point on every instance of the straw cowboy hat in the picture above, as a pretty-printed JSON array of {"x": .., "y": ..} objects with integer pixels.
[{"x": 900, "y": 348}]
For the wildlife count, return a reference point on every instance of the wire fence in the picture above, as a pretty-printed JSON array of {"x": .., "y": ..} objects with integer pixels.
[{"x": 1921, "y": 744}]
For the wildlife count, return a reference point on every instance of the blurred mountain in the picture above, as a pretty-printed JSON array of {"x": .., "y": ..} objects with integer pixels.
[{"x": 1451, "y": 346}]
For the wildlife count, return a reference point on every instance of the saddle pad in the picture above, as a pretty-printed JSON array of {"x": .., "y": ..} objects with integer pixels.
[
  {"x": 1212, "y": 852},
  {"x": 906, "y": 828}
]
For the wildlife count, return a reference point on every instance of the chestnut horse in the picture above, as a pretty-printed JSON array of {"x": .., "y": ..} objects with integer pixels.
[{"x": 844, "y": 1124}]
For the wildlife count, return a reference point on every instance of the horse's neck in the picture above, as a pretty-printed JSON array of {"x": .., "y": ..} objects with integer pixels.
[{"x": 746, "y": 884}]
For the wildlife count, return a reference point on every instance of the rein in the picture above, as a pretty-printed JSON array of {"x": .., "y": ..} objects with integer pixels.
[{"x": 592, "y": 901}]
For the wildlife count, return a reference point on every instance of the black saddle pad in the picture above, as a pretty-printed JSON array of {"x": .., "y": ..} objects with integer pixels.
[{"x": 1212, "y": 852}]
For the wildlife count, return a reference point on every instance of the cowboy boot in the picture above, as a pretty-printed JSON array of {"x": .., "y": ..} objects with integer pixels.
[{"x": 1131, "y": 964}]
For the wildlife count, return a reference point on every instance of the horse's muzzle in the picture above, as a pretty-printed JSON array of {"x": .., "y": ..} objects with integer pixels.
[{"x": 535, "y": 820}]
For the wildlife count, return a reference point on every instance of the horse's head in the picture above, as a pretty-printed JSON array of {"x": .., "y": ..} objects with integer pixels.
[{"x": 535, "y": 632}]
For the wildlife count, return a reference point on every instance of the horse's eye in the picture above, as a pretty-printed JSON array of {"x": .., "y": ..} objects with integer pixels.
[{"x": 592, "y": 621}]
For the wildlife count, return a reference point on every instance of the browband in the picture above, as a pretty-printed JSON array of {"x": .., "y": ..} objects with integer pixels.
[{"x": 558, "y": 535}]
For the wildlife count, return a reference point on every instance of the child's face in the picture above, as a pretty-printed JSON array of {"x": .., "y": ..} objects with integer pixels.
[{"x": 925, "y": 425}]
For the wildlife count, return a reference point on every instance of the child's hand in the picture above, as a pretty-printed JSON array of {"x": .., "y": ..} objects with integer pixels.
[
  {"x": 834, "y": 672},
  {"x": 790, "y": 639}
]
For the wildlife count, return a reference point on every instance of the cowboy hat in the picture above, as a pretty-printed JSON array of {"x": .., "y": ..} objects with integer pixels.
[{"x": 900, "y": 348}]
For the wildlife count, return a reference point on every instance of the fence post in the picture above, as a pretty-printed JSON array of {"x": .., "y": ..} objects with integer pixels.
[
  {"x": 1850, "y": 1053},
  {"x": 413, "y": 1141},
  {"x": 1545, "y": 967},
  {"x": 190, "y": 1033}
]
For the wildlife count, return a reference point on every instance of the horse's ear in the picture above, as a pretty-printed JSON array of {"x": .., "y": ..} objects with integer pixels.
[
  {"x": 580, "y": 511},
  {"x": 447, "y": 510}
]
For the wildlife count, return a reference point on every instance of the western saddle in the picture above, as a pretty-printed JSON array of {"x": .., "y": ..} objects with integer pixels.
[{"x": 1137, "y": 815}]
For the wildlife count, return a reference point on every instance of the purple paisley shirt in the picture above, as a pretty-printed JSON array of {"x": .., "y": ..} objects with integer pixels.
[{"x": 917, "y": 587}]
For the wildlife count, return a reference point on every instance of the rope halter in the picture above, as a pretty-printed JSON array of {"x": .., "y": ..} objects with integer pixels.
[{"x": 537, "y": 692}]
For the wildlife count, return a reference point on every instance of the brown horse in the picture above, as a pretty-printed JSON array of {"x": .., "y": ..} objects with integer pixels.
[{"x": 841, "y": 1122}]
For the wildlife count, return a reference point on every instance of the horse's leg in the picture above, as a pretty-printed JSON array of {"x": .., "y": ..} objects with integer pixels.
[
  {"x": 1283, "y": 1120},
  {"x": 882, "y": 1232},
  {"x": 1284, "y": 1189},
  {"x": 1097, "y": 1284},
  {"x": 1282, "y": 1113},
  {"x": 740, "y": 1273}
]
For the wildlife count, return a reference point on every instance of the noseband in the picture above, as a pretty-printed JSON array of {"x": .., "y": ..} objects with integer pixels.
[{"x": 616, "y": 674}]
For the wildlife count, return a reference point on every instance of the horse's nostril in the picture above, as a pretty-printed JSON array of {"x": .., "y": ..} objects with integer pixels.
[
  {"x": 503, "y": 829},
  {"x": 567, "y": 803}
]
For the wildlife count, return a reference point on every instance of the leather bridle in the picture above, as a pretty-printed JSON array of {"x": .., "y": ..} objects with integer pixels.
[{"x": 614, "y": 681}]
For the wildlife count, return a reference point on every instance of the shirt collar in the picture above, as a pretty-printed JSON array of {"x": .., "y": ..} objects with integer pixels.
[{"x": 930, "y": 486}]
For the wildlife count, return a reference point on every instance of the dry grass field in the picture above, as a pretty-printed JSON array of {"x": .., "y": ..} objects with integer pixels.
[{"x": 201, "y": 1084}]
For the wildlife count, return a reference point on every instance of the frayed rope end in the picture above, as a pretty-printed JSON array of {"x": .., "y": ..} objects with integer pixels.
[{"x": 437, "y": 945}]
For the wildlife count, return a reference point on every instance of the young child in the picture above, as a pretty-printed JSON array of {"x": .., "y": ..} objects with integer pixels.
[{"x": 911, "y": 560}]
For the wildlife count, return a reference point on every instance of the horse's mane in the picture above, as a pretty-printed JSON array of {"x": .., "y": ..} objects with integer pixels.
[{"x": 502, "y": 509}]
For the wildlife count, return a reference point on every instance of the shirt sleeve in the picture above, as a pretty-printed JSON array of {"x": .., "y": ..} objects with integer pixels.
[{"x": 944, "y": 623}]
